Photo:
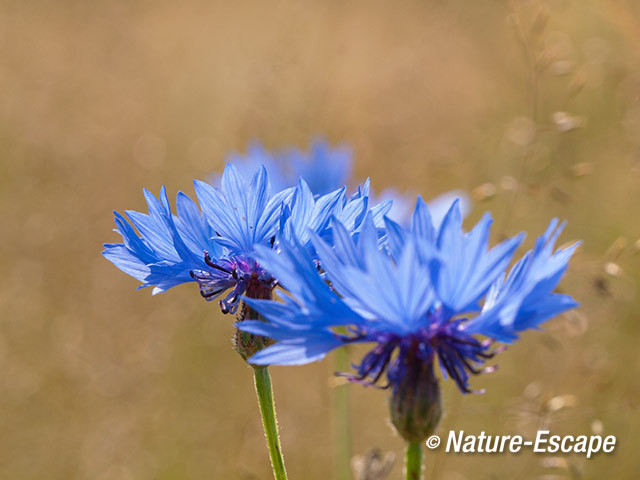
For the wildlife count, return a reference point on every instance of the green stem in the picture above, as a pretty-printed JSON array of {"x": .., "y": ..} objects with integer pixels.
[
  {"x": 268, "y": 412},
  {"x": 341, "y": 419},
  {"x": 413, "y": 464}
]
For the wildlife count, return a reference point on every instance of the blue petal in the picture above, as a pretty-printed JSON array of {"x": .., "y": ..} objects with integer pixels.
[{"x": 296, "y": 353}]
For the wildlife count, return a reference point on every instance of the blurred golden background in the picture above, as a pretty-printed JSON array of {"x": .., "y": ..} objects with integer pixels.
[{"x": 533, "y": 107}]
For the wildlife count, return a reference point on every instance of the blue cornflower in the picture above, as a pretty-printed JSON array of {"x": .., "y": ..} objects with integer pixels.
[
  {"x": 216, "y": 247},
  {"x": 255, "y": 157},
  {"x": 426, "y": 296},
  {"x": 325, "y": 168}
]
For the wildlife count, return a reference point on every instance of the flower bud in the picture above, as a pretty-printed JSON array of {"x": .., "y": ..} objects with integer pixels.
[{"x": 415, "y": 402}]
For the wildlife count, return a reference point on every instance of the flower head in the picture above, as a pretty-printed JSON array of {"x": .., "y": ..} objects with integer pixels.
[
  {"x": 325, "y": 168},
  {"x": 428, "y": 295},
  {"x": 216, "y": 247}
]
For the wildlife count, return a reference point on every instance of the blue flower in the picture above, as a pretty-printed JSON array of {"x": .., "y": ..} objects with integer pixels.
[
  {"x": 255, "y": 158},
  {"x": 428, "y": 295},
  {"x": 216, "y": 247},
  {"x": 324, "y": 168}
]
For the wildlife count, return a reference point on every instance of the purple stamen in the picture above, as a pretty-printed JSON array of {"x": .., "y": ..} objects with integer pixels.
[{"x": 460, "y": 355}]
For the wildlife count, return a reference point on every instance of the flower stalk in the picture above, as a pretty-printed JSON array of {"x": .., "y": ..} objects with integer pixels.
[
  {"x": 247, "y": 344},
  {"x": 341, "y": 418},
  {"x": 264, "y": 393},
  {"x": 413, "y": 461}
]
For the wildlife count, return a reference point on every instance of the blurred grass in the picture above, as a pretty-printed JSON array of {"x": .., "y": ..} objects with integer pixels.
[{"x": 100, "y": 99}]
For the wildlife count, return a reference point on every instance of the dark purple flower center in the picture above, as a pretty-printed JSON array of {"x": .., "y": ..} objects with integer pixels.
[
  {"x": 460, "y": 355},
  {"x": 242, "y": 275}
]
